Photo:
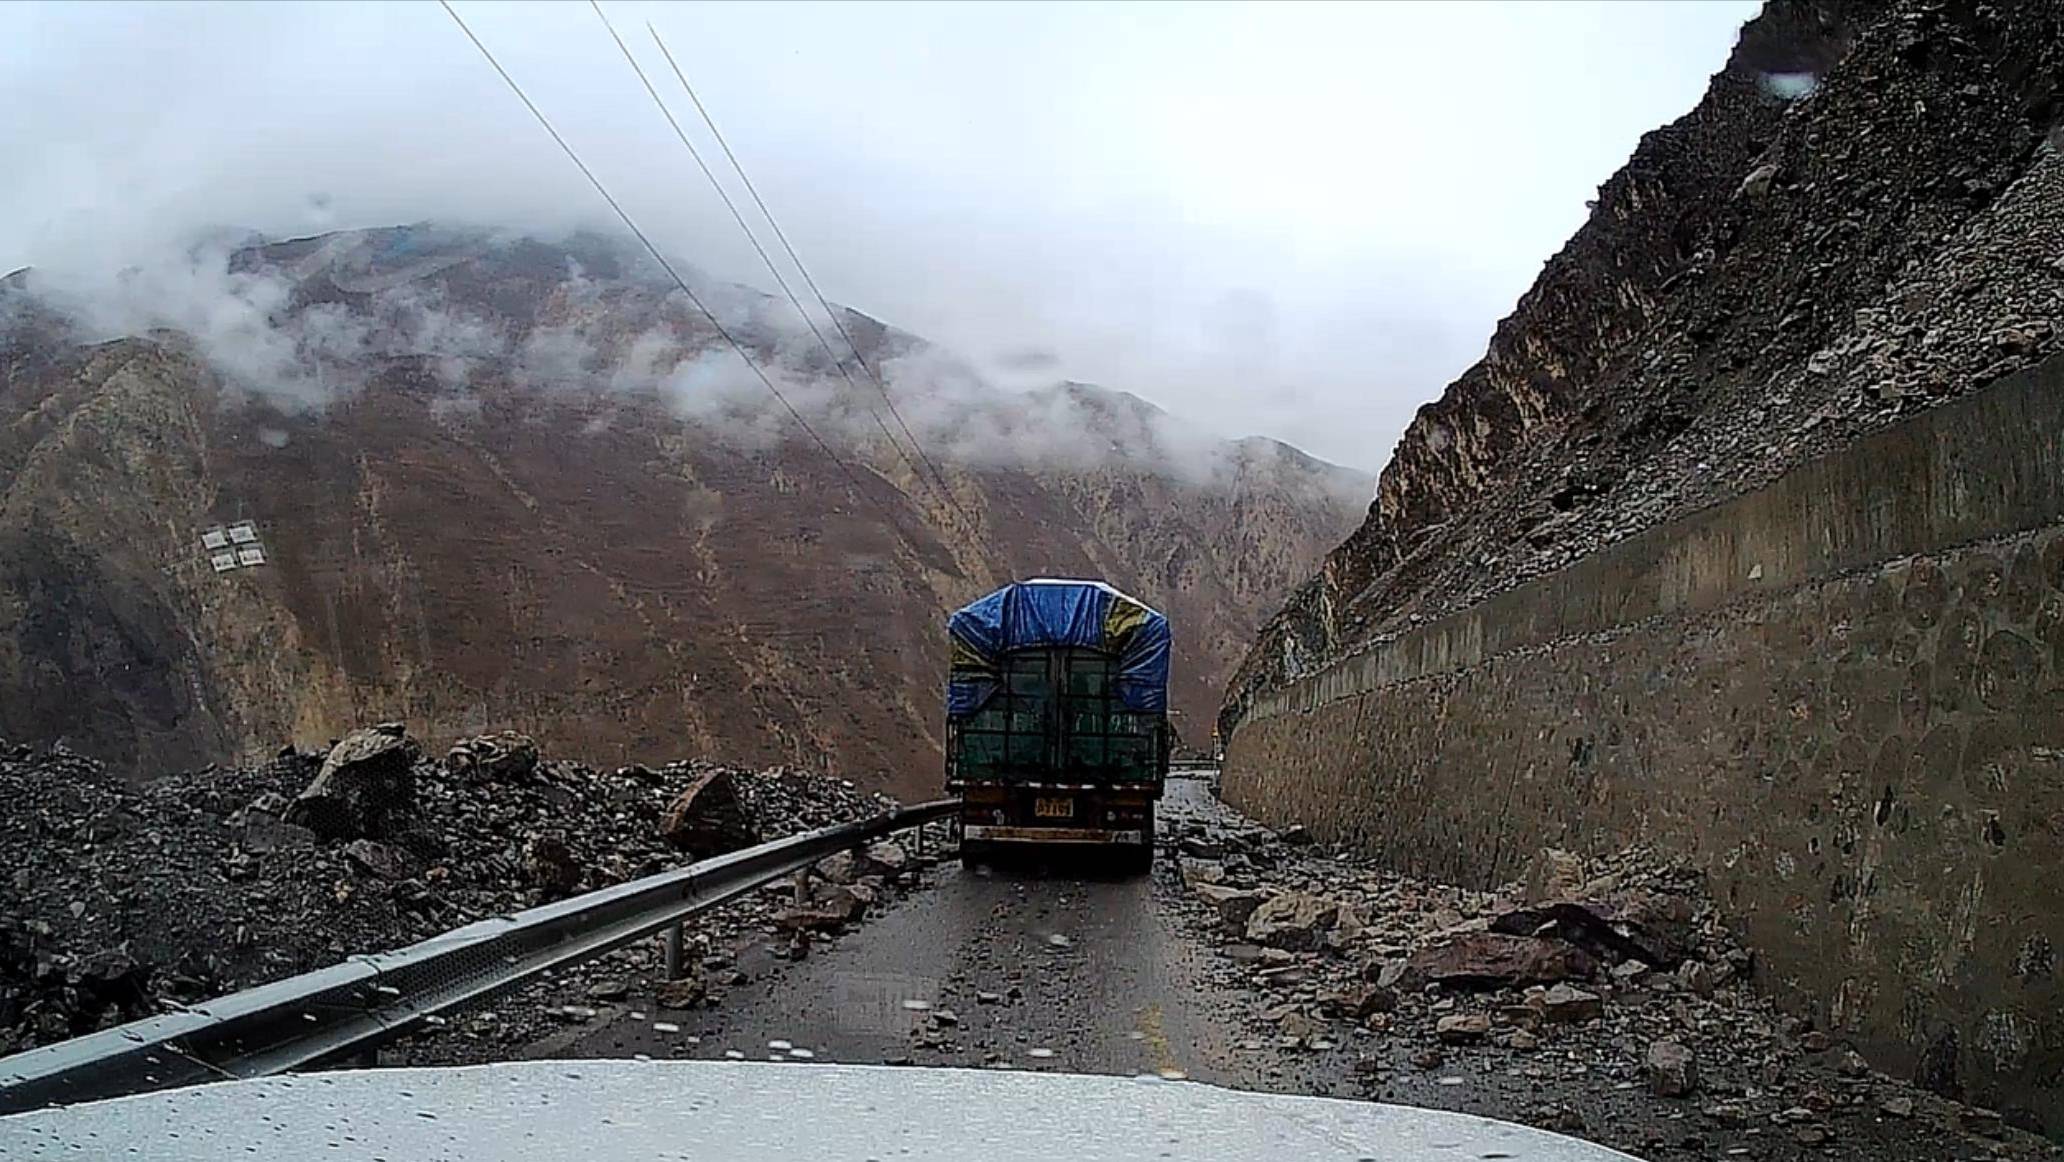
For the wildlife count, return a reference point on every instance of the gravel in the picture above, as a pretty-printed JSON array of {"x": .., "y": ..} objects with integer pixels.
[{"x": 124, "y": 900}]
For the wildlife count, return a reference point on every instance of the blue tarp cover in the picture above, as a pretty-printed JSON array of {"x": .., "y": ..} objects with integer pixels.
[{"x": 1028, "y": 614}]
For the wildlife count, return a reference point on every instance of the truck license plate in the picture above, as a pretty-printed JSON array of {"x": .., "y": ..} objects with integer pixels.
[{"x": 1053, "y": 808}]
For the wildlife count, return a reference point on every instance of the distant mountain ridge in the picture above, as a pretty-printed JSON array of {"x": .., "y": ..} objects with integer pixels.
[{"x": 503, "y": 481}]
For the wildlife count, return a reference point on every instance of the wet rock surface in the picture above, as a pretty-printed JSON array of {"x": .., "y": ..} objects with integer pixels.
[{"x": 119, "y": 900}]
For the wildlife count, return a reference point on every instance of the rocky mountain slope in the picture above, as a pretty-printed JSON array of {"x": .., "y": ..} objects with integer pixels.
[
  {"x": 502, "y": 482},
  {"x": 1864, "y": 217}
]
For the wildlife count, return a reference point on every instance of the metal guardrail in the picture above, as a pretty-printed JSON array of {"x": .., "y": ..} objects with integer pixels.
[{"x": 354, "y": 1006}]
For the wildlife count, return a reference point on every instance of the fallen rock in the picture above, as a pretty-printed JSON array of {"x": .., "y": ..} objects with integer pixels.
[
  {"x": 1359, "y": 1002},
  {"x": 365, "y": 783},
  {"x": 839, "y": 867},
  {"x": 1696, "y": 977},
  {"x": 707, "y": 819},
  {"x": 1564, "y": 1005},
  {"x": 1897, "y": 1107},
  {"x": 685, "y": 993},
  {"x": 550, "y": 866},
  {"x": 1462, "y": 1028},
  {"x": 1672, "y": 1069},
  {"x": 504, "y": 756},
  {"x": 1650, "y": 927},
  {"x": 1490, "y": 960},
  {"x": 377, "y": 859},
  {"x": 262, "y": 833},
  {"x": 1235, "y": 907},
  {"x": 1294, "y": 921},
  {"x": 1982, "y": 1122},
  {"x": 1555, "y": 874},
  {"x": 828, "y": 912},
  {"x": 886, "y": 858},
  {"x": 609, "y": 989}
]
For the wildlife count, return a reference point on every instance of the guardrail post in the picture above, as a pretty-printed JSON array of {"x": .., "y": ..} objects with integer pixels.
[
  {"x": 920, "y": 840},
  {"x": 673, "y": 951}
]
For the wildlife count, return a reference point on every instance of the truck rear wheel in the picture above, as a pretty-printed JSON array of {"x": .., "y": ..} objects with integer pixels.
[{"x": 1139, "y": 860}]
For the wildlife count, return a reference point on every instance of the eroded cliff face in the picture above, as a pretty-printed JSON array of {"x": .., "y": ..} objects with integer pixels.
[
  {"x": 502, "y": 482},
  {"x": 1859, "y": 220}
]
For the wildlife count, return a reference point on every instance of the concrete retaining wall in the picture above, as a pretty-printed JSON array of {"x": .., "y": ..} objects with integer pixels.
[{"x": 1842, "y": 695}]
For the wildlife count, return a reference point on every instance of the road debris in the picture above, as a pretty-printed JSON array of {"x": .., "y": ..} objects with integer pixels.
[
  {"x": 1605, "y": 998},
  {"x": 126, "y": 899}
]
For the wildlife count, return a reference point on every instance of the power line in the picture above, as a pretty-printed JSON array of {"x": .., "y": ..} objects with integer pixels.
[
  {"x": 680, "y": 282},
  {"x": 767, "y": 260},
  {"x": 798, "y": 260}
]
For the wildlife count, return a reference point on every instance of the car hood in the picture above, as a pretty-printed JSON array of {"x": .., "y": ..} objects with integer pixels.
[{"x": 603, "y": 1111}]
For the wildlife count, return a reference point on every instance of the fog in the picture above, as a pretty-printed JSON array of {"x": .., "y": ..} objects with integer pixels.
[{"x": 1292, "y": 221}]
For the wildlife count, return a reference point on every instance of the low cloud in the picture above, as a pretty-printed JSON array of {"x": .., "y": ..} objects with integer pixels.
[
  {"x": 1252, "y": 215},
  {"x": 306, "y": 331}
]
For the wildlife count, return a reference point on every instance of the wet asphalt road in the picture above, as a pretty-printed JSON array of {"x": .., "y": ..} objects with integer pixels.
[
  {"x": 1086, "y": 971},
  {"x": 1095, "y": 972}
]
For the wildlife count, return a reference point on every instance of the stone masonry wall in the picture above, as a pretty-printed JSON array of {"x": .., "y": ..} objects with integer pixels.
[{"x": 1842, "y": 695}]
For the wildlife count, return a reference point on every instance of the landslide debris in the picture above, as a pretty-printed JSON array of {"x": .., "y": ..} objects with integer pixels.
[
  {"x": 1557, "y": 1001},
  {"x": 120, "y": 899}
]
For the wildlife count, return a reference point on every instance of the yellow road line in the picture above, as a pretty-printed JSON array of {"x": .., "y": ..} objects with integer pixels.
[{"x": 1157, "y": 1041}]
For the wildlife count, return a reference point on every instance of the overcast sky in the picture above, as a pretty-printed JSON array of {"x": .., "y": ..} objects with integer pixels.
[{"x": 1276, "y": 219}]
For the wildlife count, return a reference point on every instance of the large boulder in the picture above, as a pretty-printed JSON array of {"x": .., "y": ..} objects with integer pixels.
[
  {"x": 504, "y": 756},
  {"x": 1492, "y": 960},
  {"x": 707, "y": 818},
  {"x": 366, "y": 783},
  {"x": 1653, "y": 928},
  {"x": 1293, "y": 921}
]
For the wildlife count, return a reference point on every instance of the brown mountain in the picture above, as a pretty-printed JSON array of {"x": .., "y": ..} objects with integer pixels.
[{"x": 500, "y": 481}]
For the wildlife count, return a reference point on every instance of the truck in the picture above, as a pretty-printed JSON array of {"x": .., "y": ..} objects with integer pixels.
[{"x": 1057, "y": 727}]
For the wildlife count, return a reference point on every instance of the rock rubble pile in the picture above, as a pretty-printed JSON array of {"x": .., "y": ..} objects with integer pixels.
[
  {"x": 1610, "y": 976},
  {"x": 123, "y": 899}
]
